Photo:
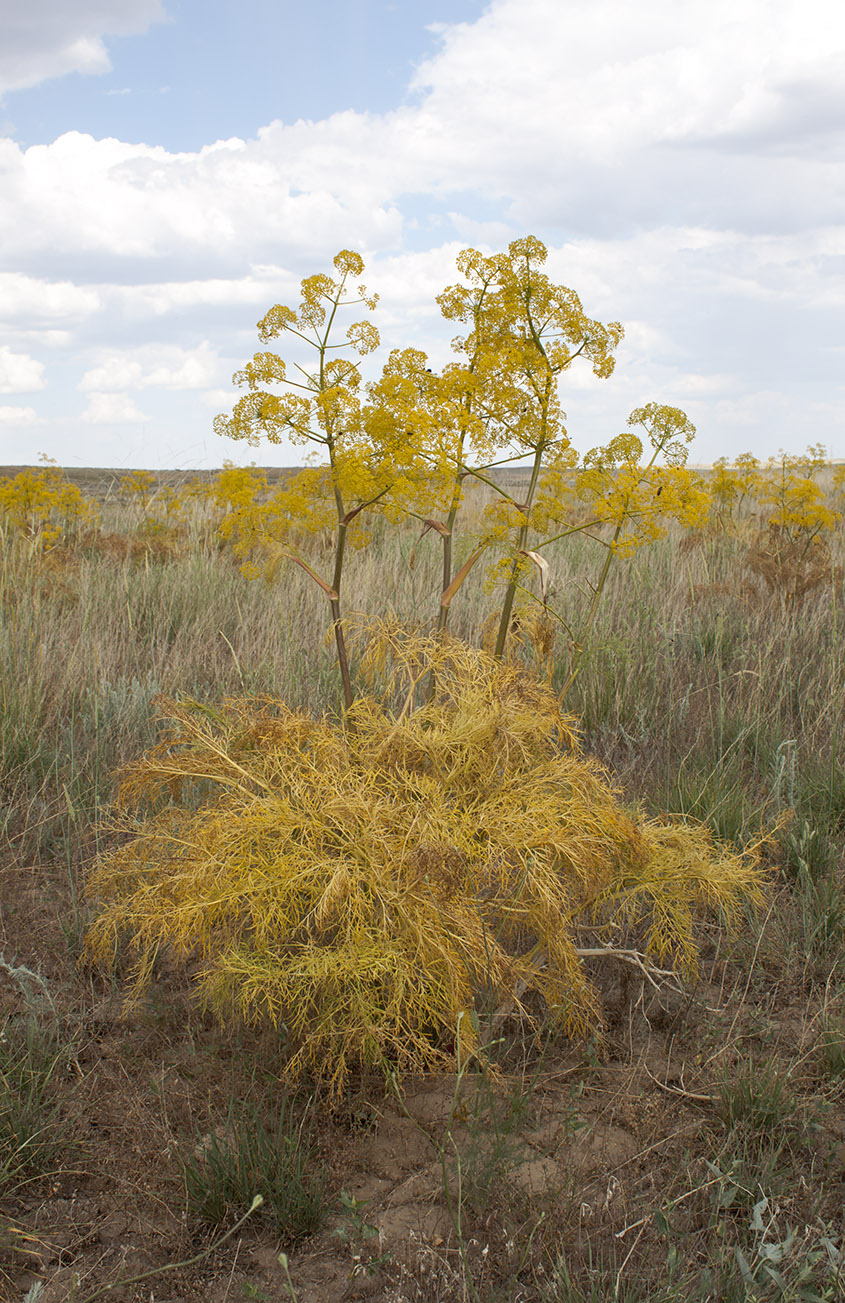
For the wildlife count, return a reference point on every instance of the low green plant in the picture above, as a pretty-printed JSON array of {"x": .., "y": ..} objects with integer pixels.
[
  {"x": 32, "y": 1131},
  {"x": 756, "y": 1097},
  {"x": 598, "y": 1285},
  {"x": 757, "y": 1256},
  {"x": 820, "y": 902},
  {"x": 714, "y": 790},
  {"x": 807, "y": 851},
  {"x": 495, "y": 1145},
  {"x": 276, "y": 1161},
  {"x": 358, "y": 1235}
]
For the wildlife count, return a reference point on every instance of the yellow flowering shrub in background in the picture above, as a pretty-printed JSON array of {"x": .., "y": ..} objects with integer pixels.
[
  {"x": 733, "y": 485},
  {"x": 43, "y": 507},
  {"x": 791, "y": 551}
]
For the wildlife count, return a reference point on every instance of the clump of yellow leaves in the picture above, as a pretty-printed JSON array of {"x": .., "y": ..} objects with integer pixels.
[
  {"x": 640, "y": 499},
  {"x": 43, "y": 506},
  {"x": 367, "y": 884},
  {"x": 791, "y": 552}
]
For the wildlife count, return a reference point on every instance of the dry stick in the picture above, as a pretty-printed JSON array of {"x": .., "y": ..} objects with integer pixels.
[
  {"x": 632, "y": 957},
  {"x": 618, "y": 1280},
  {"x": 232, "y": 1272},
  {"x": 678, "y": 1090},
  {"x": 618, "y": 1235},
  {"x": 176, "y": 1266}
]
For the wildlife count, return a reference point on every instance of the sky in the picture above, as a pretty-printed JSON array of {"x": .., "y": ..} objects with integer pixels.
[{"x": 170, "y": 169}]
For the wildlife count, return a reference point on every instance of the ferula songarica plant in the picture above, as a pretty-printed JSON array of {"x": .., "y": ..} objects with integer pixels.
[{"x": 369, "y": 884}]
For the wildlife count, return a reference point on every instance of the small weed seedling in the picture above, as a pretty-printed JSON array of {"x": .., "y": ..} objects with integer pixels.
[{"x": 356, "y": 1233}]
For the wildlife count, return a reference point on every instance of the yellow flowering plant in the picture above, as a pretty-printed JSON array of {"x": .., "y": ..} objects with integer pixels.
[
  {"x": 525, "y": 333},
  {"x": 319, "y": 408},
  {"x": 732, "y": 484},
  {"x": 418, "y": 437},
  {"x": 158, "y": 508},
  {"x": 498, "y": 405},
  {"x": 236, "y": 495},
  {"x": 435, "y": 859},
  {"x": 638, "y": 496},
  {"x": 791, "y": 551},
  {"x": 44, "y": 507}
]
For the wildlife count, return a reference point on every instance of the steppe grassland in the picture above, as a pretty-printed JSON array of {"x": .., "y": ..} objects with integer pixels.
[{"x": 704, "y": 692}]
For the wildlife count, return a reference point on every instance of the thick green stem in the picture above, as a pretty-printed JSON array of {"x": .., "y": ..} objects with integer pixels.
[
  {"x": 443, "y": 614},
  {"x": 343, "y": 660},
  {"x": 522, "y": 539},
  {"x": 334, "y": 602}
]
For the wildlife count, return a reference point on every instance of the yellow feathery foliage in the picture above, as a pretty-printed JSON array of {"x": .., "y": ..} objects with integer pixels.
[
  {"x": 43, "y": 506},
  {"x": 791, "y": 552},
  {"x": 640, "y": 499},
  {"x": 363, "y": 885}
]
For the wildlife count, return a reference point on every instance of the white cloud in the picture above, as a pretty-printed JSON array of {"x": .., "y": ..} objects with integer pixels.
[
  {"x": 153, "y": 366},
  {"x": 261, "y": 287},
  {"x": 597, "y": 120},
  {"x": 112, "y": 375},
  {"x": 218, "y": 400},
  {"x": 112, "y": 409},
  {"x": 17, "y": 415},
  {"x": 35, "y": 300},
  {"x": 229, "y": 203},
  {"x": 194, "y": 370},
  {"x": 40, "y": 39},
  {"x": 623, "y": 75},
  {"x": 19, "y": 373}
]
